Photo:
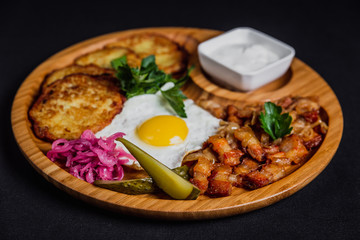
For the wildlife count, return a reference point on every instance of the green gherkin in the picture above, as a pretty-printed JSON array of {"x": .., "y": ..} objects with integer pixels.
[
  {"x": 139, "y": 186},
  {"x": 166, "y": 179}
]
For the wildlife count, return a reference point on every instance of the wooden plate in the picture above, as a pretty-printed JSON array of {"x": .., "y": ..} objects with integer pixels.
[{"x": 299, "y": 80}]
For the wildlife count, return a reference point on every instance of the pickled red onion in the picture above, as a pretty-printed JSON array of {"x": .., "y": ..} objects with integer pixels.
[{"x": 90, "y": 158}]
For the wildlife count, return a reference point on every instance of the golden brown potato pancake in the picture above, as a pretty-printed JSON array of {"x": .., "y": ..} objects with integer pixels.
[
  {"x": 92, "y": 70},
  {"x": 103, "y": 57},
  {"x": 170, "y": 57},
  {"x": 74, "y": 104}
]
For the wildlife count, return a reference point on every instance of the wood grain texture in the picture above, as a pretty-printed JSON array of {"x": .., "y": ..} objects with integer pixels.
[{"x": 299, "y": 80}]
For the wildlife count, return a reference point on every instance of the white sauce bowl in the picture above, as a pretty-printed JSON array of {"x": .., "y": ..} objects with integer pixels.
[{"x": 244, "y": 58}]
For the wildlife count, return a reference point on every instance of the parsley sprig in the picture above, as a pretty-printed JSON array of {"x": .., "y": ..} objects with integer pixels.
[
  {"x": 148, "y": 79},
  {"x": 273, "y": 122}
]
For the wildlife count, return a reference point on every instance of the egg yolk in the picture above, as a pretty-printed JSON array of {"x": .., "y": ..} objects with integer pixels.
[{"x": 163, "y": 130}]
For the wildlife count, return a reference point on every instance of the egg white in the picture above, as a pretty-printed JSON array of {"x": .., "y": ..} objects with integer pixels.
[{"x": 136, "y": 110}]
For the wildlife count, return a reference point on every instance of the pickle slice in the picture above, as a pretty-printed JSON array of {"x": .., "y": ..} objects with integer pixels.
[
  {"x": 139, "y": 186},
  {"x": 171, "y": 183},
  {"x": 131, "y": 187}
]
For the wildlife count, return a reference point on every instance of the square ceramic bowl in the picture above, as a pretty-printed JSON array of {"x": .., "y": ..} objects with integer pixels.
[{"x": 244, "y": 58}]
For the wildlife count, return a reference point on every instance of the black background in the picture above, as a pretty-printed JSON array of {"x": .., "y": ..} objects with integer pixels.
[{"x": 325, "y": 36}]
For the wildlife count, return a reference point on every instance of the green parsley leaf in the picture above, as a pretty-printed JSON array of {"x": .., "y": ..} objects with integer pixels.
[
  {"x": 148, "y": 79},
  {"x": 175, "y": 98},
  {"x": 148, "y": 65},
  {"x": 273, "y": 122}
]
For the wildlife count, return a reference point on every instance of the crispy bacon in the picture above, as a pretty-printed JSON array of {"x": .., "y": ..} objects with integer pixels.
[
  {"x": 304, "y": 105},
  {"x": 227, "y": 131},
  {"x": 232, "y": 113},
  {"x": 227, "y": 155},
  {"x": 269, "y": 173},
  {"x": 313, "y": 142},
  {"x": 201, "y": 171},
  {"x": 294, "y": 148},
  {"x": 247, "y": 165},
  {"x": 247, "y": 112},
  {"x": 214, "y": 108},
  {"x": 271, "y": 149},
  {"x": 279, "y": 158},
  {"x": 249, "y": 141},
  {"x": 311, "y": 116},
  {"x": 219, "y": 183},
  {"x": 285, "y": 102}
]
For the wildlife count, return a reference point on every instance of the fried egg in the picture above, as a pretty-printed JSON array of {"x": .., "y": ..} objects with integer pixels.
[{"x": 150, "y": 123}]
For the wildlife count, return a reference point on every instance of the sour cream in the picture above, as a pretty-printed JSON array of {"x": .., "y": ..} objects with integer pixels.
[{"x": 244, "y": 57}]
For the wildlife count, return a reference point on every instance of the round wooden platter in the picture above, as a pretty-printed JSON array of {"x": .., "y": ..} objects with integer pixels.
[{"x": 299, "y": 80}]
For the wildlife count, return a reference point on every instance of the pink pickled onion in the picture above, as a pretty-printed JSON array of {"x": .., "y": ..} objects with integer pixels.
[{"x": 90, "y": 158}]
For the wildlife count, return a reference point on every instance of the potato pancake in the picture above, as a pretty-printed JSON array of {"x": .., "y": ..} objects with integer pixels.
[
  {"x": 103, "y": 57},
  {"x": 74, "y": 104},
  {"x": 170, "y": 57},
  {"x": 92, "y": 70}
]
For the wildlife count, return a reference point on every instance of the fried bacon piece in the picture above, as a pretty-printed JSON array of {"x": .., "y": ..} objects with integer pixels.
[
  {"x": 192, "y": 157},
  {"x": 279, "y": 158},
  {"x": 311, "y": 134},
  {"x": 219, "y": 183},
  {"x": 232, "y": 113},
  {"x": 227, "y": 155},
  {"x": 271, "y": 149},
  {"x": 249, "y": 141},
  {"x": 227, "y": 131},
  {"x": 248, "y": 111},
  {"x": 285, "y": 102},
  {"x": 294, "y": 148},
  {"x": 306, "y": 105},
  {"x": 201, "y": 171},
  {"x": 275, "y": 156},
  {"x": 247, "y": 165},
  {"x": 269, "y": 173},
  {"x": 213, "y": 107},
  {"x": 311, "y": 116},
  {"x": 313, "y": 142}
]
